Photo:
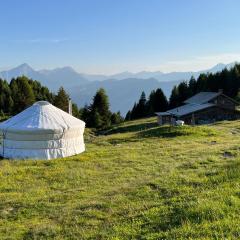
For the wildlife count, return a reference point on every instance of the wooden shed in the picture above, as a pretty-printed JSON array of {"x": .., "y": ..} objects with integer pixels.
[{"x": 204, "y": 107}]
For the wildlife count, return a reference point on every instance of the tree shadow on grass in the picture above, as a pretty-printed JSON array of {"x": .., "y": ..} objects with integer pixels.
[
  {"x": 154, "y": 132},
  {"x": 176, "y": 131},
  {"x": 131, "y": 128},
  {"x": 165, "y": 132}
]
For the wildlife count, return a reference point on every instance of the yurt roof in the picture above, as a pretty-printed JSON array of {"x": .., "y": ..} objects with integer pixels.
[{"x": 41, "y": 116}]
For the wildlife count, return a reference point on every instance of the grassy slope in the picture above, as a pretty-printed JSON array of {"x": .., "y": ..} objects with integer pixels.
[{"x": 139, "y": 182}]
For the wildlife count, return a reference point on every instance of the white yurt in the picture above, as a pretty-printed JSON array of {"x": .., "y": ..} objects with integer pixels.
[{"x": 41, "y": 131}]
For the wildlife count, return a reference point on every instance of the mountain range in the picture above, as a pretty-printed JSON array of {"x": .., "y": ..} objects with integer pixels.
[{"x": 123, "y": 88}]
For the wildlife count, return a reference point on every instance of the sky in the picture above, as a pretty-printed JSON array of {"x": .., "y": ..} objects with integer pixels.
[{"x": 110, "y": 36}]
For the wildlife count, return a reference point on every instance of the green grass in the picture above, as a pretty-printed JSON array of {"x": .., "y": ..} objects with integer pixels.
[{"x": 139, "y": 181}]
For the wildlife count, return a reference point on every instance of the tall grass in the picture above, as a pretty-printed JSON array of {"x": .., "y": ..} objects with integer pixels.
[{"x": 139, "y": 181}]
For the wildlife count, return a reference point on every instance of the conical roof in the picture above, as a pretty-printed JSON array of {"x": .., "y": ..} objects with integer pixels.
[{"x": 41, "y": 116}]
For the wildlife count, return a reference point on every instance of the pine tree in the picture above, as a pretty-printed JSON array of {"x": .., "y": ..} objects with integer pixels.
[
  {"x": 22, "y": 94},
  {"x": 84, "y": 114},
  {"x": 174, "y": 98},
  {"x": 183, "y": 92},
  {"x": 141, "y": 106},
  {"x": 192, "y": 86},
  {"x": 128, "y": 116},
  {"x": 134, "y": 112},
  {"x": 100, "y": 106},
  {"x": 160, "y": 103},
  {"x": 75, "y": 110},
  {"x": 202, "y": 83},
  {"x": 41, "y": 93},
  {"x": 96, "y": 119},
  {"x": 61, "y": 100},
  {"x": 116, "y": 118}
]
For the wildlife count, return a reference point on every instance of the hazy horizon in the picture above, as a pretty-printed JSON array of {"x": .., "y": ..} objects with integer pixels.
[{"x": 110, "y": 74}]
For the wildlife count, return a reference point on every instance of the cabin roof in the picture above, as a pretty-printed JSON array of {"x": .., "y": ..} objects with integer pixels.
[
  {"x": 189, "y": 108},
  {"x": 185, "y": 109},
  {"x": 202, "y": 97},
  {"x": 163, "y": 113}
]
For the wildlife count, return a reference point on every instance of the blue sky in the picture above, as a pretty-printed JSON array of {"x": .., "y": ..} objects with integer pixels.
[{"x": 109, "y": 36}]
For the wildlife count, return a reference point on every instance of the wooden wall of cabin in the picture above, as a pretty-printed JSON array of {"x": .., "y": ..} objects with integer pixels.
[
  {"x": 211, "y": 115},
  {"x": 224, "y": 102}
]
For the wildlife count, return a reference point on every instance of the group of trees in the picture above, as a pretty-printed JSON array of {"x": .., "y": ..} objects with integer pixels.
[
  {"x": 20, "y": 93},
  {"x": 156, "y": 102},
  {"x": 228, "y": 80},
  {"x": 98, "y": 114}
]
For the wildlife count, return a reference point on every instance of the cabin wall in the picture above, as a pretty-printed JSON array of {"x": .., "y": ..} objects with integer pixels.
[
  {"x": 212, "y": 115},
  {"x": 164, "y": 120},
  {"x": 224, "y": 102}
]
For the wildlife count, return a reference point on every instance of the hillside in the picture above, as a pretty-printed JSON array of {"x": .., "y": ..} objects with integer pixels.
[
  {"x": 124, "y": 88},
  {"x": 122, "y": 94},
  {"x": 139, "y": 181}
]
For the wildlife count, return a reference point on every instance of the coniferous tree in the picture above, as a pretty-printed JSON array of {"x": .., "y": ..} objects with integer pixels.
[
  {"x": 157, "y": 102},
  {"x": 116, "y": 118},
  {"x": 141, "y": 110},
  {"x": 22, "y": 94},
  {"x": 174, "y": 98},
  {"x": 160, "y": 101},
  {"x": 134, "y": 112},
  {"x": 85, "y": 113},
  {"x": 192, "y": 86},
  {"x": 151, "y": 103},
  {"x": 6, "y": 102},
  {"x": 128, "y": 116},
  {"x": 95, "y": 119},
  {"x": 75, "y": 111},
  {"x": 41, "y": 93},
  {"x": 183, "y": 92},
  {"x": 202, "y": 83},
  {"x": 61, "y": 100},
  {"x": 100, "y": 113}
]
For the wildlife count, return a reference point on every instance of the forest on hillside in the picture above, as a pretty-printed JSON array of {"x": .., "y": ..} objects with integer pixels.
[
  {"x": 22, "y": 92},
  {"x": 228, "y": 80}
]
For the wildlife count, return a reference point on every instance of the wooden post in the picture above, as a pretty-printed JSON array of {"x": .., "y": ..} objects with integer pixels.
[
  {"x": 70, "y": 106},
  {"x": 193, "y": 119},
  {"x": 160, "y": 120}
]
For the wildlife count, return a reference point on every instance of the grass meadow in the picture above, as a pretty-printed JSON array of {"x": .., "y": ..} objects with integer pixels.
[{"x": 139, "y": 181}]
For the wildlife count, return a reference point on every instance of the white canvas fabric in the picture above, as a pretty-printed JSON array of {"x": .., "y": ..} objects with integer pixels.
[{"x": 42, "y": 131}]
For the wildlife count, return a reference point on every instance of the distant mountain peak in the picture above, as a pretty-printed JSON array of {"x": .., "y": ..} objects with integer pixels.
[
  {"x": 220, "y": 66},
  {"x": 67, "y": 68},
  {"x": 24, "y": 66}
]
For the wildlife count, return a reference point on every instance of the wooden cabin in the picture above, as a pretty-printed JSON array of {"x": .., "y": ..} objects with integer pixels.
[{"x": 204, "y": 107}]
